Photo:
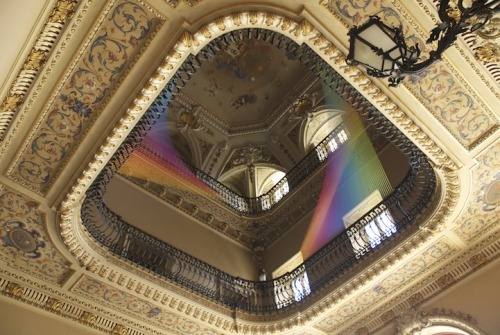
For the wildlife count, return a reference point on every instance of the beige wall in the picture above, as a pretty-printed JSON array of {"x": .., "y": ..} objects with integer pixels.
[
  {"x": 178, "y": 229},
  {"x": 287, "y": 245},
  {"x": 478, "y": 295}
]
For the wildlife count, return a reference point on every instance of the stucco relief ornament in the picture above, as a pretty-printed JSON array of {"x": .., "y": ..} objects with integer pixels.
[
  {"x": 250, "y": 155},
  {"x": 487, "y": 51},
  {"x": 26, "y": 242},
  {"x": 188, "y": 120},
  {"x": 413, "y": 322}
]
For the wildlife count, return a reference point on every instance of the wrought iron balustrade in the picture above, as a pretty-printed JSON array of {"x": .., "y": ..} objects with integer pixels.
[
  {"x": 393, "y": 215},
  {"x": 384, "y": 222},
  {"x": 316, "y": 158}
]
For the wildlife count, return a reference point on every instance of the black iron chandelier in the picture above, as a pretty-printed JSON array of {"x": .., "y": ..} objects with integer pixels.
[{"x": 383, "y": 50}]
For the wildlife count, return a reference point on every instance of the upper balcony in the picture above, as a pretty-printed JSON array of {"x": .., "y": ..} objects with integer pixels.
[{"x": 335, "y": 131}]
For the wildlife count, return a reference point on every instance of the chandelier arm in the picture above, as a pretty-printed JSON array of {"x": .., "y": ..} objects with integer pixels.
[
  {"x": 417, "y": 67},
  {"x": 442, "y": 10},
  {"x": 455, "y": 20}
]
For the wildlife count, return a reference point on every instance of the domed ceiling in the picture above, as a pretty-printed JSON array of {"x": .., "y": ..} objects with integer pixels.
[
  {"x": 239, "y": 117},
  {"x": 244, "y": 111}
]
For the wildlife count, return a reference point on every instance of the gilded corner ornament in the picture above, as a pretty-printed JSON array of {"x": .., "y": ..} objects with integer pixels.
[
  {"x": 488, "y": 53},
  {"x": 35, "y": 60},
  {"x": 119, "y": 329},
  {"x": 11, "y": 102},
  {"x": 63, "y": 11},
  {"x": 88, "y": 318},
  {"x": 191, "y": 3},
  {"x": 14, "y": 290},
  {"x": 54, "y": 304}
]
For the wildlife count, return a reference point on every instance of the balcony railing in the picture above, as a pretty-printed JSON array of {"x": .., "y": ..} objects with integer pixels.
[
  {"x": 384, "y": 222},
  {"x": 393, "y": 214},
  {"x": 291, "y": 181}
]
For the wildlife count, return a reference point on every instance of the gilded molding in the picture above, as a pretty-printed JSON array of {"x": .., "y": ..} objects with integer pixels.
[
  {"x": 457, "y": 75},
  {"x": 175, "y": 3},
  {"x": 301, "y": 32},
  {"x": 60, "y": 15},
  {"x": 67, "y": 306},
  {"x": 54, "y": 304},
  {"x": 83, "y": 91},
  {"x": 27, "y": 106},
  {"x": 15, "y": 290},
  {"x": 476, "y": 118},
  {"x": 479, "y": 43},
  {"x": 157, "y": 313},
  {"x": 88, "y": 318},
  {"x": 119, "y": 330}
]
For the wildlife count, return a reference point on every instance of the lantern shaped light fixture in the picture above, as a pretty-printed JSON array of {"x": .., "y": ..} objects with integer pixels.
[{"x": 382, "y": 49}]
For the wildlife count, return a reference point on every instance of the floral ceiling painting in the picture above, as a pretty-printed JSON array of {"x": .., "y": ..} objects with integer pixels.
[
  {"x": 440, "y": 88},
  {"x": 91, "y": 81}
]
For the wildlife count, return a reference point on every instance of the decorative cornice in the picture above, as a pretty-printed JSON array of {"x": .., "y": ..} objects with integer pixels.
[
  {"x": 472, "y": 62},
  {"x": 59, "y": 16},
  {"x": 80, "y": 114},
  {"x": 414, "y": 321},
  {"x": 471, "y": 41},
  {"x": 175, "y": 3},
  {"x": 68, "y": 307},
  {"x": 71, "y": 308},
  {"x": 468, "y": 135}
]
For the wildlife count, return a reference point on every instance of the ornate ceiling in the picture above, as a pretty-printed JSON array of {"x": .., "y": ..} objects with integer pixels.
[{"x": 87, "y": 74}]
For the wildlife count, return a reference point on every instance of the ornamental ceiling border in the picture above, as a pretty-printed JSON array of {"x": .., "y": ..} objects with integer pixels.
[
  {"x": 476, "y": 228},
  {"x": 25, "y": 290},
  {"x": 82, "y": 93},
  {"x": 440, "y": 80},
  {"x": 301, "y": 32},
  {"x": 79, "y": 310},
  {"x": 38, "y": 256},
  {"x": 175, "y": 3},
  {"x": 59, "y": 16},
  {"x": 493, "y": 70}
]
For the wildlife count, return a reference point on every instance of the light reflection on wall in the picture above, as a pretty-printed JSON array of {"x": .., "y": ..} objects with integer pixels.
[{"x": 352, "y": 173}]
